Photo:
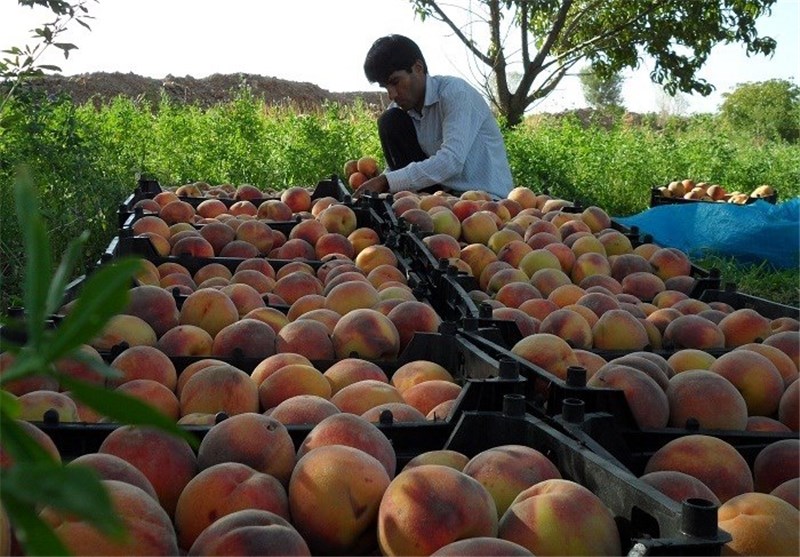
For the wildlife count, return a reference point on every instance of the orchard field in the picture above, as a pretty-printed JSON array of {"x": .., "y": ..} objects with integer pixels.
[{"x": 85, "y": 160}]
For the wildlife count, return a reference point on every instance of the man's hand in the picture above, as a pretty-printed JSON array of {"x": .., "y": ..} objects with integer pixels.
[{"x": 378, "y": 184}]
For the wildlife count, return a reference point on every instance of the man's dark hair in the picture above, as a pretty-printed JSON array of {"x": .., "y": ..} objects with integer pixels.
[{"x": 390, "y": 54}]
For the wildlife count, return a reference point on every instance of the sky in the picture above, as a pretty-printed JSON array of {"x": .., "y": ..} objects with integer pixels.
[{"x": 324, "y": 42}]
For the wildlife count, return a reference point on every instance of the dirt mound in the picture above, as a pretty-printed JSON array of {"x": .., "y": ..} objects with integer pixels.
[{"x": 101, "y": 87}]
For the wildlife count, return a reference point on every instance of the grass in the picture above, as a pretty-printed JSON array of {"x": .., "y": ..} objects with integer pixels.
[{"x": 86, "y": 160}]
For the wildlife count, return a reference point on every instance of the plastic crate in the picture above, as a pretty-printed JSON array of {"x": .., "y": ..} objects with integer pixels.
[
  {"x": 657, "y": 199},
  {"x": 147, "y": 188},
  {"x": 649, "y": 523},
  {"x": 632, "y": 448},
  {"x": 483, "y": 388},
  {"x": 738, "y": 300}
]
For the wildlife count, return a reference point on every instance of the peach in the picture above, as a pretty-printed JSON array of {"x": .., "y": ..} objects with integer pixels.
[
  {"x": 693, "y": 331},
  {"x": 297, "y": 198},
  {"x": 127, "y": 329},
  {"x": 37, "y": 382},
  {"x": 762, "y": 423},
  {"x": 154, "y": 394},
  {"x": 776, "y": 463},
  {"x": 410, "y": 317},
  {"x": 209, "y": 309},
  {"x": 222, "y": 489},
  {"x": 477, "y": 256},
  {"x": 351, "y": 295},
  {"x": 428, "y": 394},
  {"x": 615, "y": 243},
  {"x": 787, "y": 342},
  {"x": 478, "y": 227},
  {"x": 353, "y": 431},
  {"x": 155, "y": 306},
  {"x": 218, "y": 235},
  {"x": 153, "y": 224},
  {"x": 417, "y": 371},
  {"x": 347, "y": 371},
  {"x": 245, "y": 297},
  {"x": 744, "y": 326},
  {"x": 663, "y": 317},
  {"x": 789, "y": 491},
  {"x": 781, "y": 324},
  {"x": 82, "y": 364},
  {"x": 584, "y": 242},
  {"x": 598, "y": 302},
  {"x": 444, "y": 457},
  {"x": 619, "y": 330},
  {"x": 679, "y": 486},
  {"x": 243, "y": 207},
  {"x": 221, "y": 388},
  {"x": 644, "y": 285},
  {"x": 782, "y": 362},
  {"x": 540, "y": 515},
  {"x": 645, "y": 365},
  {"x": 248, "y": 338},
  {"x": 507, "y": 470},
  {"x": 211, "y": 208},
  {"x": 260, "y": 282},
  {"x": 308, "y": 338},
  {"x": 363, "y": 237},
  {"x": 303, "y": 410},
  {"x": 547, "y": 351},
  {"x": 271, "y": 316},
  {"x": 482, "y": 546},
  {"x": 565, "y": 295},
  {"x": 609, "y": 284},
  {"x": 414, "y": 519},
  {"x": 193, "y": 368},
  {"x": 690, "y": 358},
  {"x": 168, "y": 462},
  {"x": 596, "y": 218},
  {"x": 753, "y": 375},
  {"x": 365, "y": 394},
  {"x": 711, "y": 460},
  {"x": 590, "y": 361},
  {"x": 334, "y": 496},
  {"x": 526, "y": 324},
  {"x": 670, "y": 262},
  {"x": 212, "y": 271},
  {"x": 760, "y": 524},
  {"x": 708, "y": 398},
  {"x": 367, "y": 333},
  {"x": 570, "y": 326},
  {"x": 304, "y": 304},
  {"x": 147, "y": 526},
  {"x": 647, "y": 401},
  {"x": 385, "y": 273},
  {"x": 333, "y": 243},
  {"x": 399, "y": 412},
  {"x": 247, "y": 191},
  {"x": 545, "y": 280},
  {"x": 668, "y": 298},
  {"x": 789, "y": 406},
  {"x": 589, "y": 264},
  {"x": 257, "y": 441},
  {"x": 34, "y": 404},
  {"x": 295, "y": 285},
  {"x": 144, "y": 362},
  {"x": 111, "y": 467},
  {"x": 274, "y": 210},
  {"x": 445, "y": 221},
  {"x": 327, "y": 317},
  {"x": 292, "y": 380}
]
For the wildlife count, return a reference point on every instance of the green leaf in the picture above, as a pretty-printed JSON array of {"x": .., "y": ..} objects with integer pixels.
[
  {"x": 70, "y": 489},
  {"x": 124, "y": 408},
  {"x": 34, "y": 534},
  {"x": 38, "y": 266},
  {"x": 55, "y": 296},
  {"x": 104, "y": 295},
  {"x": 9, "y": 403}
]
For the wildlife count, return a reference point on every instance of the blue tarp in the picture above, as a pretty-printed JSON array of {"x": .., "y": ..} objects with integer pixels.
[{"x": 752, "y": 233}]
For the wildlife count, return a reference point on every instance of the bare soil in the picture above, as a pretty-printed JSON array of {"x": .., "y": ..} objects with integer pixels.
[{"x": 102, "y": 87}]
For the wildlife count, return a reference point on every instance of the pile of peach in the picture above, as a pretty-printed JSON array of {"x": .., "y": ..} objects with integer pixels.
[
  {"x": 705, "y": 191},
  {"x": 287, "y": 386},
  {"x": 248, "y": 489},
  {"x": 326, "y": 226}
]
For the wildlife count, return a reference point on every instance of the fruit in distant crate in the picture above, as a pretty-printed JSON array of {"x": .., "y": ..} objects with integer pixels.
[
  {"x": 350, "y": 167},
  {"x": 368, "y": 166},
  {"x": 356, "y": 179}
]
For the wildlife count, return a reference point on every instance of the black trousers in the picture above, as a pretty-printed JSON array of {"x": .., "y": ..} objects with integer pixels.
[{"x": 399, "y": 142}]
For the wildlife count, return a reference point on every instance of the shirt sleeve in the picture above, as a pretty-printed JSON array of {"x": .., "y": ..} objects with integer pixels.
[{"x": 461, "y": 122}]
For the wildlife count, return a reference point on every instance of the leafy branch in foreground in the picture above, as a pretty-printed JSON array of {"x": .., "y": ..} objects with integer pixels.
[{"x": 30, "y": 476}]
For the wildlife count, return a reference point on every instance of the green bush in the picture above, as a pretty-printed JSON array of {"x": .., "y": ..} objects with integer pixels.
[{"x": 87, "y": 157}]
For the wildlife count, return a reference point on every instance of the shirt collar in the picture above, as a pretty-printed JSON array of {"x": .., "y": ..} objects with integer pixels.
[{"x": 431, "y": 95}]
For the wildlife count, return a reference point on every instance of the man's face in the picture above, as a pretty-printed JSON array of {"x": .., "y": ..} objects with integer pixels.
[{"x": 407, "y": 89}]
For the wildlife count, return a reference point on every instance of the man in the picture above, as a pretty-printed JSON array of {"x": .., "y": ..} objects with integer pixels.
[{"x": 438, "y": 133}]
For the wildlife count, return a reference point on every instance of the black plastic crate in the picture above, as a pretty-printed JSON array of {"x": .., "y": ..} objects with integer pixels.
[
  {"x": 483, "y": 389},
  {"x": 649, "y": 523},
  {"x": 147, "y": 188},
  {"x": 632, "y": 448},
  {"x": 656, "y": 199},
  {"x": 738, "y": 300}
]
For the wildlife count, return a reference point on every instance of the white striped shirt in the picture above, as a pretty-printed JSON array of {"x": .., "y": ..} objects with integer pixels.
[{"x": 461, "y": 137}]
